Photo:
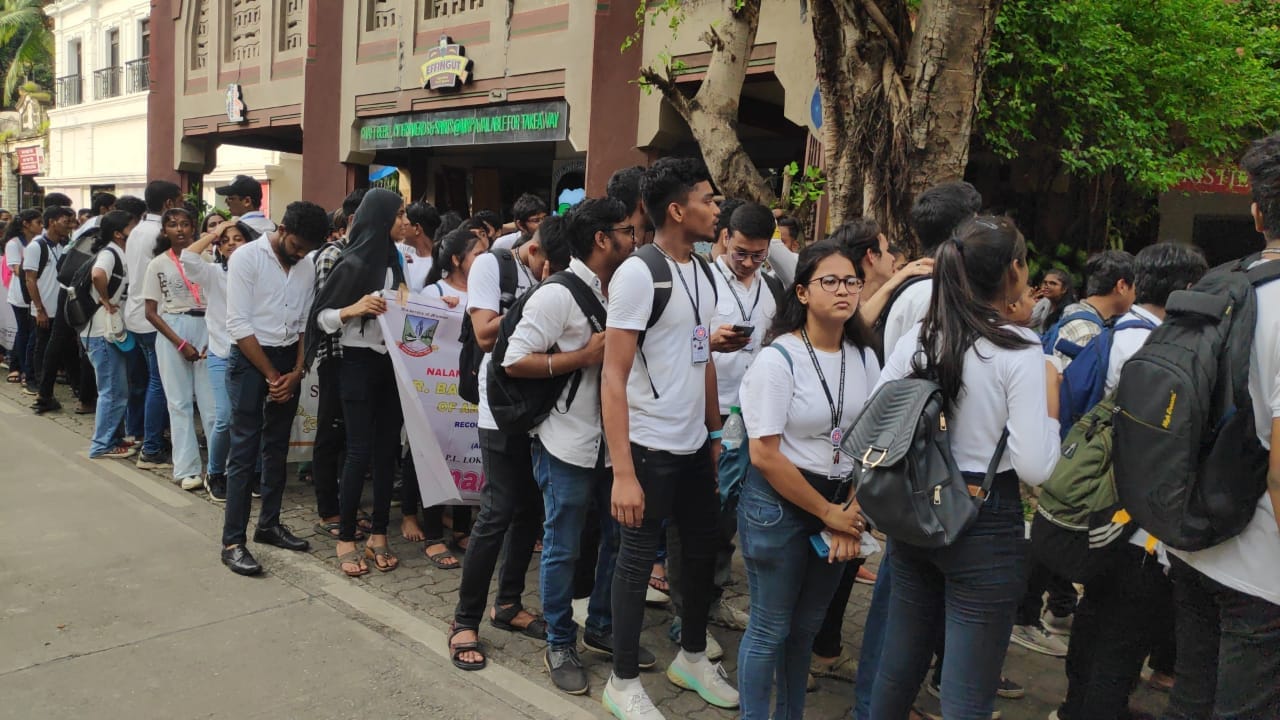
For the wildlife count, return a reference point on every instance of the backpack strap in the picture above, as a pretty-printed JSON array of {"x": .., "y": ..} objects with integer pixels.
[
  {"x": 776, "y": 288},
  {"x": 508, "y": 280},
  {"x": 44, "y": 255},
  {"x": 990, "y": 477},
  {"x": 883, "y": 320},
  {"x": 785, "y": 354},
  {"x": 1262, "y": 274},
  {"x": 117, "y": 272},
  {"x": 711, "y": 280},
  {"x": 1141, "y": 322},
  {"x": 661, "y": 272},
  {"x": 590, "y": 306},
  {"x": 1067, "y": 347}
]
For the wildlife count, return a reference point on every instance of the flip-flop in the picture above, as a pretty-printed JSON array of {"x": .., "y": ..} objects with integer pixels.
[
  {"x": 352, "y": 558},
  {"x": 372, "y": 553},
  {"x": 439, "y": 559}
]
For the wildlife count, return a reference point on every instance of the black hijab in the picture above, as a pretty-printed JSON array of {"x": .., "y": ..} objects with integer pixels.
[{"x": 362, "y": 267}]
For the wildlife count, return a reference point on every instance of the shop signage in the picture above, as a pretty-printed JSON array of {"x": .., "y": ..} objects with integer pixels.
[
  {"x": 1221, "y": 180},
  {"x": 235, "y": 103},
  {"x": 447, "y": 67},
  {"x": 30, "y": 160},
  {"x": 484, "y": 125}
]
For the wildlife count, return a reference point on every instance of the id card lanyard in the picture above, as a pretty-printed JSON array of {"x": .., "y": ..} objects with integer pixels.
[
  {"x": 700, "y": 342},
  {"x": 837, "y": 406},
  {"x": 742, "y": 309}
]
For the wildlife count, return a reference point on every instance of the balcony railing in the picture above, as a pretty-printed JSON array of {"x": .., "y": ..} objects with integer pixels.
[
  {"x": 69, "y": 90},
  {"x": 106, "y": 82},
  {"x": 137, "y": 75}
]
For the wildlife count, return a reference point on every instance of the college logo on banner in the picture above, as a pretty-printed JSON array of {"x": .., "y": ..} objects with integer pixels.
[{"x": 419, "y": 332}]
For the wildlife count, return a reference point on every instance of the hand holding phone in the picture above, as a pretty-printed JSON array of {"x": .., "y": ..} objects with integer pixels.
[{"x": 744, "y": 330}]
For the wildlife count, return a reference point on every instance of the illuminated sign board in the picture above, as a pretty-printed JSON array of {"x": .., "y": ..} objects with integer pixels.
[
  {"x": 447, "y": 67},
  {"x": 482, "y": 125}
]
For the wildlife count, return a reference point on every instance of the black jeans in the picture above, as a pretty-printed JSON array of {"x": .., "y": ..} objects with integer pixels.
[
  {"x": 331, "y": 438},
  {"x": 61, "y": 351},
  {"x": 1114, "y": 629},
  {"x": 683, "y": 488},
  {"x": 1062, "y": 594},
  {"x": 257, "y": 426},
  {"x": 1228, "y": 651},
  {"x": 512, "y": 501},
  {"x": 373, "y": 417},
  {"x": 830, "y": 638},
  {"x": 726, "y": 531}
]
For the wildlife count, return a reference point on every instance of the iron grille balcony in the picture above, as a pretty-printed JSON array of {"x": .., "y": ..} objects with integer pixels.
[
  {"x": 69, "y": 89},
  {"x": 137, "y": 75},
  {"x": 106, "y": 82}
]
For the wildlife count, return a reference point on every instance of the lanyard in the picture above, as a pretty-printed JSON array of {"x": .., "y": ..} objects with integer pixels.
[
  {"x": 523, "y": 270},
  {"x": 695, "y": 297},
  {"x": 746, "y": 316},
  {"x": 195, "y": 291},
  {"x": 836, "y": 410}
]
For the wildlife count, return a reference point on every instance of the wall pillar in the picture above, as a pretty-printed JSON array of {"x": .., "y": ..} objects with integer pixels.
[
  {"x": 161, "y": 100},
  {"x": 325, "y": 179},
  {"x": 615, "y": 98}
]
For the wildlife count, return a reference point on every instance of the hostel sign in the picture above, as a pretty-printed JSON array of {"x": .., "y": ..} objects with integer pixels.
[
  {"x": 447, "y": 67},
  {"x": 481, "y": 125}
]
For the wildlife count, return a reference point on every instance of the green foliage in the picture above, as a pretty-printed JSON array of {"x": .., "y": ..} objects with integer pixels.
[
  {"x": 26, "y": 45},
  {"x": 804, "y": 188},
  {"x": 671, "y": 9},
  {"x": 1153, "y": 90}
]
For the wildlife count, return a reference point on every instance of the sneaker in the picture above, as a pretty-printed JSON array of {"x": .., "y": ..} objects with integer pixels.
[
  {"x": 704, "y": 677},
  {"x": 714, "y": 651},
  {"x": 1010, "y": 690},
  {"x": 191, "y": 483},
  {"x": 726, "y": 615},
  {"x": 44, "y": 405},
  {"x": 1056, "y": 625},
  {"x": 1036, "y": 639},
  {"x": 603, "y": 644},
  {"x": 630, "y": 704},
  {"x": 117, "y": 452},
  {"x": 566, "y": 670},
  {"x": 216, "y": 486},
  {"x": 157, "y": 461},
  {"x": 30, "y": 391}
]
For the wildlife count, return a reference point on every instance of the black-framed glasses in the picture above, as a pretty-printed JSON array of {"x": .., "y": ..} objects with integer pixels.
[
  {"x": 628, "y": 229},
  {"x": 755, "y": 257},
  {"x": 831, "y": 283}
]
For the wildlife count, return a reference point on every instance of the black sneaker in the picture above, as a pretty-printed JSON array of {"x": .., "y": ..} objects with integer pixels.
[
  {"x": 156, "y": 461},
  {"x": 1010, "y": 690},
  {"x": 566, "y": 670},
  {"x": 603, "y": 644},
  {"x": 216, "y": 486}
]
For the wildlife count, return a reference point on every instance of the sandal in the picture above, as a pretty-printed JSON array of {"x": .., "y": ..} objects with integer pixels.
[
  {"x": 333, "y": 529},
  {"x": 364, "y": 524},
  {"x": 503, "y": 617},
  {"x": 14, "y": 377},
  {"x": 841, "y": 668},
  {"x": 442, "y": 558},
  {"x": 381, "y": 555},
  {"x": 352, "y": 558},
  {"x": 457, "y": 649}
]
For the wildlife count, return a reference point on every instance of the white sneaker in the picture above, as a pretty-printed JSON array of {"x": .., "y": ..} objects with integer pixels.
[
  {"x": 726, "y": 615},
  {"x": 714, "y": 651},
  {"x": 633, "y": 704},
  {"x": 704, "y": 677},
  {"x": 1036, "y": 639},
  {"x": 1056, "y": 625},
  {"x": 191, "y": 483}
]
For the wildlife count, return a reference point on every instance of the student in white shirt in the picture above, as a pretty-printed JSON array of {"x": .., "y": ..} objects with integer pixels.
[
  {"x": 795, "y": 399},
  {"x": 226, "y": 237},
  {"x": 1124, "y": 609},
  {"x": 56, "y": 347},
  {"x": 419, "y": 239},
  {"x": 994, "y": 379},
  {"x": 270, "y": 286},
  {"x": 662, "y": 422},
  {"x": 1228, "y": 596},
  {"x": 109, "y": 362},
  {"x": 348, "y": 304},
  {"x": 244, "y": 200},
  {"x": 101, "y": 204},
  {"x": 21, "y": 230},
  {"x": 175, "y": 307},
  {"x": 528, "y": 212},
  {"x": 624, "y": 186}
]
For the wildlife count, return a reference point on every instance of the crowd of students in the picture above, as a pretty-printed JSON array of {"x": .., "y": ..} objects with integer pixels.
[{"x": 654, "y": 353}]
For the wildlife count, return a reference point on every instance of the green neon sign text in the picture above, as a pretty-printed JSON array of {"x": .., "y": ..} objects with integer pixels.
[{"x": 457, "y": 127}]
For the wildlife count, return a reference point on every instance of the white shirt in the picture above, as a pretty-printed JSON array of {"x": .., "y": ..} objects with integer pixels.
[
  {"x": 13, "y": 258},
  {"x": 212, "y": 280},
  {"x": 552, "y": 318},
  {"x": 506, "y": 242},
  {"x": 787, "y": 399},
  {"x": 736, "y": 300},
  {"x": 1250, "y": 561},
  {"x": 259, "y": 222},
  {"x": 484, "y": 293},
  {"x": 358, "y": 332},
  {"x": 47, "y": 282},
  {"x": 675, "y": 421},
  {"x": 88, "y": 225},
  {"x": 416, "y": 267},
  {"x": 266, "y": 300},
  {"x": 1002, "y": 389},
  {"x": 106, "y": 261},
  {"x": 442, "y": 288},
  {"x": 167, "y": 285},
  {"x": 138, "y": 253},
  {"x": 783, "y": 261},
  {"x": 908, "y": 310}
]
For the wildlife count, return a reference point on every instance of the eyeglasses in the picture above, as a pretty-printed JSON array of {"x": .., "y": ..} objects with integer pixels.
[
  {"x": 831, "y": 283},
  {"x": 755, "y": 257},
  {"x": 628, "y": 229}
]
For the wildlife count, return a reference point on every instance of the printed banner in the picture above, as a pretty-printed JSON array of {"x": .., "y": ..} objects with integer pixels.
[{"x": 302, "y": 440}]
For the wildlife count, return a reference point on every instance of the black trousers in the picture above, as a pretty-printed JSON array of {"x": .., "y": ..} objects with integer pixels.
[
  {"x": 829, "y": 641},
  {"x": 1062, "y": 594},
  {"x": 57, "y": 349},
  {"x": 331, "y": 439},
  {"x": 371, "y": 408}
]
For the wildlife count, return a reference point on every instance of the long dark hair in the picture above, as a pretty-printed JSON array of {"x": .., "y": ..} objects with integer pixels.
[
  {"x": 14, "y": 228},
  {"x": 163, "y": 243},
  {"x": 113, "y": 222},
  {"x": 445, "y": 252},
  {"x": 793, "y": 314},
  {"x": 973, "y": 269}
]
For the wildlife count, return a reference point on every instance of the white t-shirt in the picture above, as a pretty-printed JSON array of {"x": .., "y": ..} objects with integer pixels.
[
  {"x": 442, "y": 288},
  {"x": 485, "y": 293},
  {"x": 909, "y": 309},
  {"x": 552, "y": 318},
  {"x": 506, "y": 242},
  {"x": 739, "y": 305},
  {"x": 212, "y": 280},
  {"x": 139, "y": 250},
  {"x": 416, "y": 267},
  {"x": 675, "y": 420},
  {"x": 106, "y": 261},
  {"x": 13, "y": 258},
  {"x": 1127, "y": 342},
  {"x": 1002, "y": 389},
  {"x": 772, "y": 385},
  {"x": 165, "y": 283},
  {"x": 783, "y": 261},
  {"x": 47, "y": 282},
  {"x": 1250, "y": 561}
]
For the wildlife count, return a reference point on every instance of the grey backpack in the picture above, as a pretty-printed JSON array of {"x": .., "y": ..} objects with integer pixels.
[{"x": 907, "y": 481}]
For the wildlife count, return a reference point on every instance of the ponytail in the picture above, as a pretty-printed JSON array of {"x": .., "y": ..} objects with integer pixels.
[
  {"x": 14, "y": 228},
  {"x": 112, "y": 223}
]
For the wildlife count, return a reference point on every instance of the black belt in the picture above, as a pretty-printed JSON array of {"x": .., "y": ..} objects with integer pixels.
[{"x": 194, "y": 313}]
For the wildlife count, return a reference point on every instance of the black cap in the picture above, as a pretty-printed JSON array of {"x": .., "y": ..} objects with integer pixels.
[{"x": 242, "y": 186}]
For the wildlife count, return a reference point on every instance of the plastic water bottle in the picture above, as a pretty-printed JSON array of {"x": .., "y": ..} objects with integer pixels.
[{"x": 734, "y": 433}]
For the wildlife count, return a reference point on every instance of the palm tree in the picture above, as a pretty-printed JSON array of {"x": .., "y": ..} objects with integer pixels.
[{"x": 26, "y": 41}]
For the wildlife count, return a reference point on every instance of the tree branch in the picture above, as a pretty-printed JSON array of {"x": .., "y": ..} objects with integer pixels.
[
  {"x": 666, "y": 84},
  {"x": 882, "y": 24}
]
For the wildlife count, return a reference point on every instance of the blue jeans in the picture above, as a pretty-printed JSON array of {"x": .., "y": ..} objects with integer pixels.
[
  {"x": 146, "y": 396},
  {"x": 567, "y": 492},
  {"x": 791, "y": 587},
  {"x": 974, "y": 586},
  {"x": 873, "y": 639},
  {"x": 109, "y": 366},
  {"x": 220, "y": 441},
  {"x": 18, "y": 353}
]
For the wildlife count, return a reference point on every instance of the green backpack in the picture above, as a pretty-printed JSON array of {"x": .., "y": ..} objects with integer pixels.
[{"x": 1080, "y": 524}]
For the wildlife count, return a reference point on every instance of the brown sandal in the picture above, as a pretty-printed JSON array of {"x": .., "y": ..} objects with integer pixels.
[
  {"x": 352, "y": 558},
  {"x": 383, "y": 553}
]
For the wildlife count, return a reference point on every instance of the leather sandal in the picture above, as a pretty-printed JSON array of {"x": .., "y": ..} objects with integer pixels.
[
  {"x": 442, "y": 558},
  {"x": 457, "y": 649},
  {"x": 503, "y": 617},
  {"x": 384, "y": 553},
  {"x": 355, "y": 557}
]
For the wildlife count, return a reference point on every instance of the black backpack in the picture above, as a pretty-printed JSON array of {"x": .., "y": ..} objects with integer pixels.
[
  {"x": 883, "y": 320},
  {"x": 518, "y": 405},
  {"x": 77, "y": 254},
  {"x": 656, "y": 261},
  {"x": 44, "y": 262},
  {"x": 78, "y": 306},
  {"x": 1188, "y": 464},
  {"x": 472, "y": 354}
]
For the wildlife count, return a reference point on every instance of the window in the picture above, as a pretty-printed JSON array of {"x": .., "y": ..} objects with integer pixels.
[
  {"x": 144, "y": 32},
  {"x": 113, "y": 48},
  {"x": 74, "y": 58}
]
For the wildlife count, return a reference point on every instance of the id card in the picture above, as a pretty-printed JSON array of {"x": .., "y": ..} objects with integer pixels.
[
  {"x": 701, "y": 345},
  {"x": 836, "y": 437}
]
